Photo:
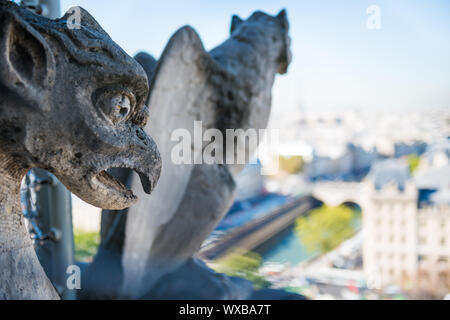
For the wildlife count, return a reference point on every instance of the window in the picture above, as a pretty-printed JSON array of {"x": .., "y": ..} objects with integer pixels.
[
  {"x": 443, "y": 259},
  {"x": 444, "y": 278},
  {"x": 405, "y": 275}
]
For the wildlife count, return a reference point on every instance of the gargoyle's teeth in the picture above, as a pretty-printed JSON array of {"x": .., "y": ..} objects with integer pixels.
[
  {"x": 110, "y": 182},
  {"x": 146, "y": 183}
]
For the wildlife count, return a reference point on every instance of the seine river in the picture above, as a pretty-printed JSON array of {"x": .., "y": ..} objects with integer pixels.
[{"x": 287, "y": 248}]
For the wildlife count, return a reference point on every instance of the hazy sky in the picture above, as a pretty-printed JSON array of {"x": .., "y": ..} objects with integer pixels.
[{"x": 338, "y": 62}]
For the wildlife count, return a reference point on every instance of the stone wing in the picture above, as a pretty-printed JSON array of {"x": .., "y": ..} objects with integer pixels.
[{"x": 179, "y": 95}]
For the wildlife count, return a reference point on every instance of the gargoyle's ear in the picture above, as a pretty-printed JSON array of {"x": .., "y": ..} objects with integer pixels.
[
  {"x": 27, "y": 64},
  {"x": 282, "y": 16},
  {"x": 235, "y": 22},
  {"x": 286, "y": 56}
]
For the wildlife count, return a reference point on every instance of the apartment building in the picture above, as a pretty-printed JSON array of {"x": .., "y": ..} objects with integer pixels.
[{"x": 407, "y": 236}]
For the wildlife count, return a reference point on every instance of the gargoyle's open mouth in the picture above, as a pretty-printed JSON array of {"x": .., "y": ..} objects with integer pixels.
[
  {"x": 116, "y": 191},
  {"x": 109, "y": 181}
]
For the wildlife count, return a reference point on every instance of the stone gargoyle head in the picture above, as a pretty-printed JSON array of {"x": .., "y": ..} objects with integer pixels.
[
  {"x": 266, "y": 28},
  {"x": 72, "y": 102}
]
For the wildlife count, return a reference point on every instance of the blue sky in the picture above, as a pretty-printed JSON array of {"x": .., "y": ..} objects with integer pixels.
[{"x": 338, "y": 62}]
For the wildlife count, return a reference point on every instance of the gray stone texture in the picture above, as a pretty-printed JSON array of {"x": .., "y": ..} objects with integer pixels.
[{"x": 72, "y": 102}]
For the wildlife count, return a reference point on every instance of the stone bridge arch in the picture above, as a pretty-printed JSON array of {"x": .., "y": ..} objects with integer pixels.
[{"x": 336, "y": 193}]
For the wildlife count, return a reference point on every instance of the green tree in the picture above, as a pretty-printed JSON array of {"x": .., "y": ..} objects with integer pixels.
[
  {"x": 413, "y": 161},
  {"x": 86, "y": 245},
  {"x": 244, "y": 265},
  {"x": 323, "y": 229}
]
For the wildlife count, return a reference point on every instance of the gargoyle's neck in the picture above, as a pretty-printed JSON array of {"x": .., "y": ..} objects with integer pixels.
[
  {"x": 21, "y": 275},
  {"x": 13, "y": 233},
  {"x": 13, "y": 168}
]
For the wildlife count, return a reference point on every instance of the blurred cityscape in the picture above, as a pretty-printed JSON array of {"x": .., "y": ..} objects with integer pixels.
[
  {"x": 360, "y": 205},
  {"x": 360, "y": 209}
]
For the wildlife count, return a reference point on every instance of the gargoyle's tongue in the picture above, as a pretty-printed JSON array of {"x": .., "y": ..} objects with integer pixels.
[
  {"x": 146, "y": 184},
  {"x": 111, "y": 182}
]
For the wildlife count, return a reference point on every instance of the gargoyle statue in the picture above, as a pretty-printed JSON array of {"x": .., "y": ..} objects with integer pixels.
[
  {"x": 227, "y": 88},
  {"x": 71, "y": 102}
]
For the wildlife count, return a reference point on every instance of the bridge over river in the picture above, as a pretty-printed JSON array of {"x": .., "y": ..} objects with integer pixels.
[
  {"x": 334, "y": 193},
  {"x": 258, "y": 232}
]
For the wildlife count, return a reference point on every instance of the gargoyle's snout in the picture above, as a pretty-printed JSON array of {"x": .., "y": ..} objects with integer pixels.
[
  {"x": 146, "y": 161},
  {"x": 142, "y": 157},
  {"x": 104, "y": 188}
]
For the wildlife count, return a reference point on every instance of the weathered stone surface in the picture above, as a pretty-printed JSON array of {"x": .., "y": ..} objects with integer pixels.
[
  {"x": 194, "y": 280},
  {"x": 73, "y": 103},
  {"x": 228, "y": 88}
]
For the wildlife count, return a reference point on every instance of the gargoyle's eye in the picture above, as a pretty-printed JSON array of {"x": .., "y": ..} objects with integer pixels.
[{"x": 117, "y": 107}]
